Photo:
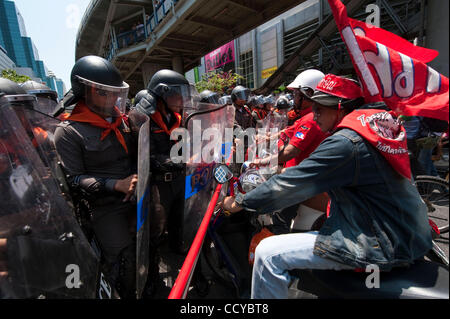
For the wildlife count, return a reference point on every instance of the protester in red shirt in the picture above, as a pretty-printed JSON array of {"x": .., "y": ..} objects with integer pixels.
[
  {"x": 300, "y": 139},
  {"x": 306, "y": 137},
  {"x": 303, "y": 86}
]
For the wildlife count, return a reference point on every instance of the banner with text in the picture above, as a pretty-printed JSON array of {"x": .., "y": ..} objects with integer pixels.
[{"x": 219, "y": 57}]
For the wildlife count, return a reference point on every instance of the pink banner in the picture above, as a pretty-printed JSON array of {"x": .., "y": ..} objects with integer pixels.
[{"x": 220, "y": 57}]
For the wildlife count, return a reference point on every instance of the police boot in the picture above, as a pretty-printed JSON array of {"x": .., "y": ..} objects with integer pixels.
[
  {"x": 126, "y": 281},
  {"x": 153, "y": 278},
  {"x": 199, "y": 281}
]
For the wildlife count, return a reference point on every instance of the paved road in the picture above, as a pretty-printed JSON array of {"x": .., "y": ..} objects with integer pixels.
[{"x": 170, "y": 266}]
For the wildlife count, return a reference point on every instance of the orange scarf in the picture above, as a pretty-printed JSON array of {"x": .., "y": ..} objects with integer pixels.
[
  {"x": 82, "y": 113},
  {"x": 160, "y": 122},
  {"x": 261, "y": 114}
]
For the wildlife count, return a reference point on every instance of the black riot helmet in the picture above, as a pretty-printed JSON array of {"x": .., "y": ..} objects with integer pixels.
[
  {"x": 283, "y": 103},
  {"x": 12, "y": 94},
  {"x": 47, "y": 99},
  {"x": 172, "y": 89},
  {"x": 240, "y": 93},
  {"x": 208, "y": 96},
  {"x": 259, "y": 101},
  {"x": 8, "y": 87},
  {"x": 269, "y": 100},
  {"x": 100, "y": 84},
  {"x": 36, "y": 88},
  {"x": 225, "y": 100},
  {"x": 251, "y": 102}
]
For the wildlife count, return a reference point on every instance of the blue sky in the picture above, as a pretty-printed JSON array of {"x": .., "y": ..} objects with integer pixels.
[{"x": 53, "y": 26}]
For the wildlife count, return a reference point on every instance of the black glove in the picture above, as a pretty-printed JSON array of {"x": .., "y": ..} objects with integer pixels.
[{"x": 146, "y": 103}]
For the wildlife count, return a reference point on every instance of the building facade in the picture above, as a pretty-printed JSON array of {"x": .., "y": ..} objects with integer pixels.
[
  {"x": 5, "y": 61},
  {"x": 260, "y": 52},
  {"x": 20, "y": 49}
]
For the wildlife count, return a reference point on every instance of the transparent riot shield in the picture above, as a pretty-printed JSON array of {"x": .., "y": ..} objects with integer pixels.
[
  {"x": 43, "y": 251},
  {"x": 274, "y": 119},
  {"x": 266, "y": 142},
  {"x": 40, "y": 129},
  {"x": 209, "y": 145},
  {"x": 140, "y": 126}
]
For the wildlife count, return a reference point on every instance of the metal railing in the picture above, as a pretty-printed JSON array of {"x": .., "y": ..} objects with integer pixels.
[{"x": 142, "y": 32}]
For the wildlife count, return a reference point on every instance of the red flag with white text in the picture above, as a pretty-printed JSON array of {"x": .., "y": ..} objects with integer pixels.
[{"x": 392, "y": 69}]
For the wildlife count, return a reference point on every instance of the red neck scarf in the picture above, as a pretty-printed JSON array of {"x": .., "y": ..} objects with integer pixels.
[
  {"x": 82, "y": 113},
  {"x": 382, "y": 131},
  {"x": 157, "y": 117}
]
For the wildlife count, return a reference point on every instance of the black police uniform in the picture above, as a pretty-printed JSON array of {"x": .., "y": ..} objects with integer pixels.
[
  {"x": 93, "y": 167},
  {"x": 167, "y": 190}
]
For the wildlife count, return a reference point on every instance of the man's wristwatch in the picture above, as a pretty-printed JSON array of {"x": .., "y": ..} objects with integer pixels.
[{"x": 239, "y": 199}]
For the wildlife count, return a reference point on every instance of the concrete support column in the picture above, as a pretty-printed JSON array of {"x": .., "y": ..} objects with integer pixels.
[
  {"x": 148, "y": 70},
  {"x": 437, "y": 34},
  {"x": 177, "y": 64}
]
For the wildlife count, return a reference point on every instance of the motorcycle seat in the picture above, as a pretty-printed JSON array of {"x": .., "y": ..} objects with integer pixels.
[{"x": 422, "y": 280}]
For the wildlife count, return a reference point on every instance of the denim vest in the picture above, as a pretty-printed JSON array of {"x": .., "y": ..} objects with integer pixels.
[{"x": 376, "y": 215}]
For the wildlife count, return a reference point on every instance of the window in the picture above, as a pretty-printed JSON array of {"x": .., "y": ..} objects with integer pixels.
[{"x": 246, "y": 69}]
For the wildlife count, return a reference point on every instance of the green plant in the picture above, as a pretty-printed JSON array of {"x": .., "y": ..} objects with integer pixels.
[
  {"x": 220, "y": 82},
  {"x": 13, "y": 76}
]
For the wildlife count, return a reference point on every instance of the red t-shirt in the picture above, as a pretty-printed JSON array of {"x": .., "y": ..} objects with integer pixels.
[{"x": 305, "y": 135}]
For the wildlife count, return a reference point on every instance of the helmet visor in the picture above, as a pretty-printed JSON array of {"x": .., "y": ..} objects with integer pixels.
[
  {"x": 103, "y": 99},
  {"x": 24, "y": 100},
  {"x": 225, "y": 100},
  {"x": 212, "y": 98},
  {"x": 180, "y": 96},
  {"x": 260, "y": 102},
  {"x": 46, "y": 105},
  {"x": 269, "y": 100},
  {"x": 243, "y": 95}
]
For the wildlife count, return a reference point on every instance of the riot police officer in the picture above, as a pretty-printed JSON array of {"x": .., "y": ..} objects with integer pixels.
[
  {"x": 39, "y": 235},
  {"x": 259, "y": 111},
  {"x": 47, "y": 99},
  {"x": 207, "y": 96},
  {"x": 168, "y": 92},
  {"x": 243, "y": 115},
  {"x": 97, "y": 152}
]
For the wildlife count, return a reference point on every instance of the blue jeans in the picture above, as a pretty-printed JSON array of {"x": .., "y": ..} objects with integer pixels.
[
  {"x": 276, "y": 255},
  {"x": 425, "y": 159}
]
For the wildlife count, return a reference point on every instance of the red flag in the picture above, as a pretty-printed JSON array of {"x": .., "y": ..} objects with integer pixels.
[{"x": 392, "y": 69}]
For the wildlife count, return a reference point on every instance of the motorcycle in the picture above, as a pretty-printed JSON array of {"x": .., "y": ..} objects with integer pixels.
[{"x": 421, "y": 280}]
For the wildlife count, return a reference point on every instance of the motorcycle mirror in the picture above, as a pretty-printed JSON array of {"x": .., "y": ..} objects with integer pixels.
[{"x": 222, "y": 174}]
